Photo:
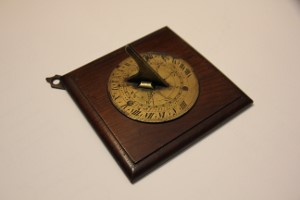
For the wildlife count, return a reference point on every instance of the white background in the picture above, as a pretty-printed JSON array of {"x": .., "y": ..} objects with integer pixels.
[{"x": 48, "y": 150}]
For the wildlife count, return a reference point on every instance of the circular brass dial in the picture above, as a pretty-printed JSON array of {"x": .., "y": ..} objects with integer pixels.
[{"x": 157, "y": 104}]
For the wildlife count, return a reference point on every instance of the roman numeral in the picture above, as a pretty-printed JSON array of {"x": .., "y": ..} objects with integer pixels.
[
  {"x": 183, "y": 105},
  {"x": 182, "y": 66},
  {"x": 115, "y": 98},
  {"x": 162, "y": 114},
  {"x": 147, "y": 57},
  {"x": 187, "y": 72},
  {"x": 149, "y": 115},
  {"x": 174, "y": 61},
  {"x": 124, "y": 106},
  {"x": 126, "y": 64},
  {"x": 114, "y": 86},
  {"x": 136, "y": 112}
]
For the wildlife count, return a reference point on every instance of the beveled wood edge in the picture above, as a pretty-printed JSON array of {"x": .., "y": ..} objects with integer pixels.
[
  {"x": 135, "y": 171},
  {"x": 191, "y": 136},
  {"x": 100, "y": 127}
]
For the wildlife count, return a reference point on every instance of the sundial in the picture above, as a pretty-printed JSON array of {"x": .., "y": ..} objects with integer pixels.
[{"x": 152, "y": 98}]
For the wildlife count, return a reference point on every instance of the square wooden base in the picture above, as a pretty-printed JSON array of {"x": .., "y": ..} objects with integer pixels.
[{"x": 140, "y": 147}]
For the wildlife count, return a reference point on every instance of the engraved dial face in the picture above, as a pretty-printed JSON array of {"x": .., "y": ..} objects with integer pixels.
[{"x": 157, "y": 104}]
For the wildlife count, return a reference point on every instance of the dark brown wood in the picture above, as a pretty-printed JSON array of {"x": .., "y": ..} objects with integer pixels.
[{"x": 140, "y": 147}]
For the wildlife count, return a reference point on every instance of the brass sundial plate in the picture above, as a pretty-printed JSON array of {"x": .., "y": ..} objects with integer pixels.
[{"x": 161, "y": 104}]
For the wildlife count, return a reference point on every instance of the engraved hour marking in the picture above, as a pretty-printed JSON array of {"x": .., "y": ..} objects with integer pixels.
[
  {"x": 185, "y": 88},
  {"x": 117, "y": 97},
  {"x": 174, "y": 61},
  {"x": 115, "y": 87},
  {"x": 182, "y": 66},
  {"x": 127, "y": 64},
  {"x": 183, "y": 105},
  {"x": 162, "y": 114},
  {"x": 149, "y": 115},
  {"x": 124, "y": 106},
  {"x": 147, "y": 57},
  {"x": 187, "y": 72},
  {"x": 136, "y": 112},
  {"x": 164, "y": 58}
]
